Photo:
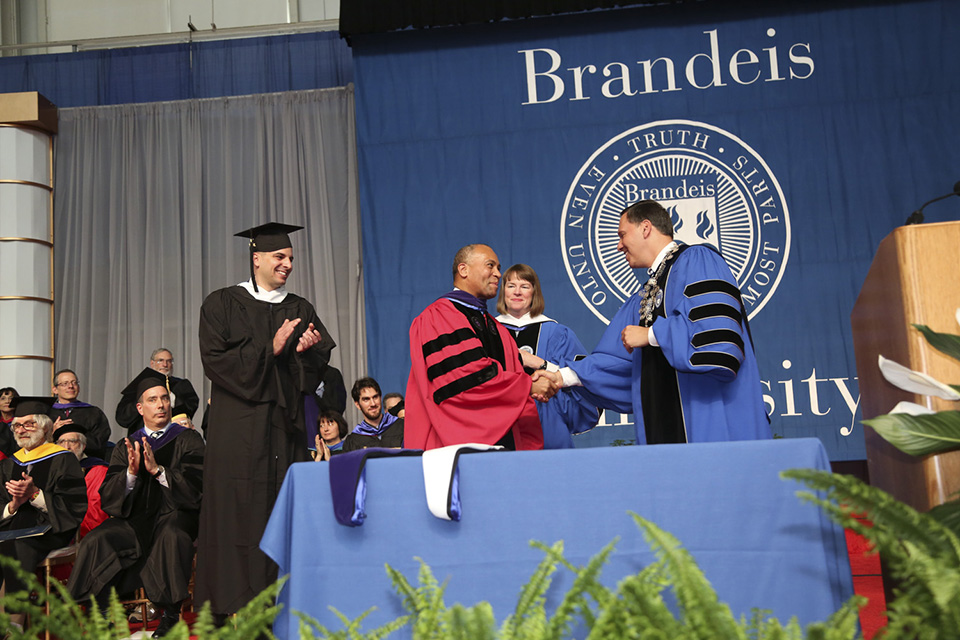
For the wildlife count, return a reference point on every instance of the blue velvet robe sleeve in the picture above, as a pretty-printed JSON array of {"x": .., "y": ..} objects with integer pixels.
[
  {"x": 568, "y": 412},
  {"x": 607, "y": 374},
  {"x": 703, "y": 331},
  {"x": 705, "y": 339}
]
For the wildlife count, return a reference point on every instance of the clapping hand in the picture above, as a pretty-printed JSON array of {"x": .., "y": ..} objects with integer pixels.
[
  {"x": 20, "y": 491},
  {"x": 309, "y": 338}
]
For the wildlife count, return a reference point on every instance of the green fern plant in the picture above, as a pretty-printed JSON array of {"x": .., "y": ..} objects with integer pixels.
[
  {"x": 923, "y": 554},
  {"x": 637, "y": 607},
  {"x": 352, "y": 629},
  {"x": 67, "y": 620}
]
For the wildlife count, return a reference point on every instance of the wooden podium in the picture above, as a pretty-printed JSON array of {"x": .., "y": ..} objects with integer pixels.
[{"x": 914, "y": 278}]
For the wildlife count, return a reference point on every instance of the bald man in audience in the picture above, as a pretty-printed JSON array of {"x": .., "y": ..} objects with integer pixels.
[{"x": 183, "y": 398}]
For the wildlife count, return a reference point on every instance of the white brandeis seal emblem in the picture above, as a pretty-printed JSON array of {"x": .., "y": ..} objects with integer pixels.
[{"x": 717, "y": 189}]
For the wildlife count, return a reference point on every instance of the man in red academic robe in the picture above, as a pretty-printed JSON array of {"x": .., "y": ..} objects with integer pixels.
[{"x": 466, "y": 380}]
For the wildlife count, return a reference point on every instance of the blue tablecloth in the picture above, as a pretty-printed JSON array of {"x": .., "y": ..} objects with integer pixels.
[{"x": 756, "y": 542}]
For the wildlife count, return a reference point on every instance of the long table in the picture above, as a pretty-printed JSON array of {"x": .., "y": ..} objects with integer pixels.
[{"x": 759, "y": 546}]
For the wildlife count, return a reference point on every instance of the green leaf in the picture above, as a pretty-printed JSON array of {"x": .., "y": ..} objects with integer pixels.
[
  {"x": 947, "y": 514},
  {"x": 893, "y": 521},
  {"x": 943, "y": 342},
  {"x": 919, "y": 435}
]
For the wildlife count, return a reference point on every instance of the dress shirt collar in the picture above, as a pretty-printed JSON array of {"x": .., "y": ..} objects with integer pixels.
[
  {"x": 156, "y": 435},
  {"x": 660, "y": 256},
  {"x": 277, "y": 295},
  {"x": 523, "y": 321}
]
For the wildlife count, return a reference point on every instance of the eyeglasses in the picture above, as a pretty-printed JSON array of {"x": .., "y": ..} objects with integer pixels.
[
  {"x": 65, "y": 441},
  {"x": 163, "y": 360},
  {"x": 69, "y": 383},
  {"x": 29, "y": 425}
]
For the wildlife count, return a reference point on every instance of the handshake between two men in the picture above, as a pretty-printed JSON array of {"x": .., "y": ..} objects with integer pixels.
[{"x": 544, "y": 384}]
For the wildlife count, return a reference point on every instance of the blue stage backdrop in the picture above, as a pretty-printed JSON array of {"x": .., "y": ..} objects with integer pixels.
[{"x": 793, "y": 140}]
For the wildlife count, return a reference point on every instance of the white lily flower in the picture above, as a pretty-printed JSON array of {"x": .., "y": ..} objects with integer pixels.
[
  {"x": 912, "y": 409},
  {"x": 914, "y": 381}
]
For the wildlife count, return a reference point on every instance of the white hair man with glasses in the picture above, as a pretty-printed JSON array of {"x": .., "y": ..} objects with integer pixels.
[
  {"x": 69, "y": 410},
  {"x": 73, "y": 438},
  {"x": 41, "y": 488},
  {"x": 184, "y": 400}
]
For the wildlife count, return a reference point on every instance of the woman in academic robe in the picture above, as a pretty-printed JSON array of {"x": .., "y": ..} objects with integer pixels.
[
  {"x": 544, "y": 343},
  {"x": 8, "y": 397},
  {"x": 331, "y": 430}
]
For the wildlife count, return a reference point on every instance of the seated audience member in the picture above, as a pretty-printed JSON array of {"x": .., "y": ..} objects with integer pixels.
[
  {"x": 183, "y": 399},
  {"x": 152, "y": 491},
  {"x": 8, "y": 445},
  {"x": 377, "y": 429},
  {"x": 183, "y": 420},
  {"x": 73, "y": 438},
  {"x": 332, "y": 429},
  {"x": 66, "y": 409},
  {"x": 40, "y": 485},
  {"x": 393, "y": 404},
  {"x": 331, "y": 395}
]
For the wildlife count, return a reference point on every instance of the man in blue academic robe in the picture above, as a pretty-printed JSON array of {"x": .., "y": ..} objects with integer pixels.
[{"x": 678, "y": 354}]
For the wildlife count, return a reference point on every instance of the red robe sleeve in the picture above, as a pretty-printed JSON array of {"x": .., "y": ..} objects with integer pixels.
[
  {"x": 456, "y": 393},
  {"x": 95, "y": 514}
]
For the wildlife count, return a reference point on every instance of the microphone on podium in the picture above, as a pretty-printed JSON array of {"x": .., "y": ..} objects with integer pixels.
[{"x": 917, "y": 216}]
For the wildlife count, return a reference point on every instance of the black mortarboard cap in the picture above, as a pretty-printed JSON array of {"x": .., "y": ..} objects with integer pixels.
[
  {"x": 30, "y": 405},
  {"x": 267, "y": 237},
  {"x": 69, "y": 428},
  {"x": 146, "y": 379},
  {"x": 270, "y": 236}
]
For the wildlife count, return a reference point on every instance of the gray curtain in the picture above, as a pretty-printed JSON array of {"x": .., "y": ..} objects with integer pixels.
[{"x": 147, "y": 198}]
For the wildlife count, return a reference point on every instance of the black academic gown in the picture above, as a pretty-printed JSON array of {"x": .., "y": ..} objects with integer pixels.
[
  {"x": 59, "y": 476},
  {"x": 149, "y": 537},
  {"x": 93, "y": 420},
  {"x": 8, "y": 445},
  {"x": 392, "y": 437},
  {"x": 187, "y": 401},
  {"x": 256, "y": 431}
]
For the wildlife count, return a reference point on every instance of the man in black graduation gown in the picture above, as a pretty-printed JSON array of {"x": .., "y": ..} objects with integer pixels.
[
  {"x": 41, "y": 485},
  {"x": 263, "y": 349},
  {"x": 152, "y": 493},
  {"x": 183, "y": 398},
  {"x": 67, "y": 408}
]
